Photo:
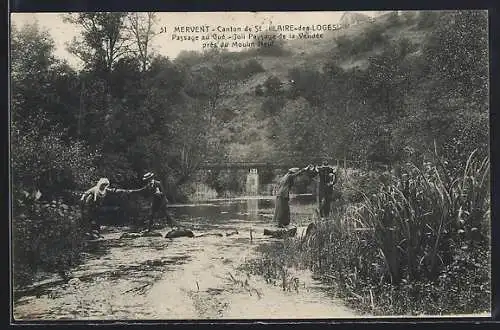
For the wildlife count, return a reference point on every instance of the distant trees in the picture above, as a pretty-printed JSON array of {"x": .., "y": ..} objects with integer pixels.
[
  {"x": 408, "y": 96},
  {"x": 372, "y": 37},
  {"x": 427, "y": 19},
  {"x": 271, "y": 44},
  {"x": 272, "y": 86}
]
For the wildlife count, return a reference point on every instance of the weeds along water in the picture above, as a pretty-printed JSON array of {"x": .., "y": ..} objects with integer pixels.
[{"x": 412, "y": 243}]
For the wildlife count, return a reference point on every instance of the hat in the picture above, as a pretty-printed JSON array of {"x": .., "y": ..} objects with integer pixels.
[
  {"x": 293, "y": 170},
  {"x": 148, "y": 176}
]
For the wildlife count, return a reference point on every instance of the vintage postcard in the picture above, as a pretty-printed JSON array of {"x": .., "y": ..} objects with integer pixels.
[{"x": 249, "y": 165}]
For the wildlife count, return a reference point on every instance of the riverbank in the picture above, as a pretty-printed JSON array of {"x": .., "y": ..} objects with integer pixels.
[
  {"x": 282, "y": 262},
  {"x": 182, "y": 278}
]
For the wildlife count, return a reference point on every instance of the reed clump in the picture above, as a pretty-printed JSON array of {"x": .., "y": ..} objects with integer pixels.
[{"x": 419, "y": 245}]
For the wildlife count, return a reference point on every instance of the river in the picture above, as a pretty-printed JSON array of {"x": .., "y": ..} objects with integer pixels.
[{"x": 154, "y": 278}]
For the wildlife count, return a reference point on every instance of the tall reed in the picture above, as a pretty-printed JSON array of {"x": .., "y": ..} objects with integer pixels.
[{"x": 423, "y": 225}]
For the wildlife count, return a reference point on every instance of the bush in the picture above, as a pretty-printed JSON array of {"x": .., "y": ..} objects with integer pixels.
[
  {"x": 48, "y": 163},
  {"x": 393, "y": 20},
  {"x": 251, "y": 67},
  {"x": 47, "y": 233},
  {"x": 353, "y": 184},
  {"x": 427, "y": 19},
  {"x": 272, "y": 106},
  {"x": 272, "y": 86},
  {"x": 47, "y": 236},
  {"x": 371, "y": 37}
]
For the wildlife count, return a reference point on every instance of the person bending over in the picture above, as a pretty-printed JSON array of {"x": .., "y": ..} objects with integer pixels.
[{"x": 282, "y": 208}]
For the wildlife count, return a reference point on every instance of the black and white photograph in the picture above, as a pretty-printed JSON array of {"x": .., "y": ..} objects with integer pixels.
[{"x": 249, "y": 165}]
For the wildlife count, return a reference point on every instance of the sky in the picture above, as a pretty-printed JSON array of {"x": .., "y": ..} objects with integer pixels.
[{"x": 62, "y": 33}]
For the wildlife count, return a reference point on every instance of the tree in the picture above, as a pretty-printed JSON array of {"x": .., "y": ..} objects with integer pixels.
[
  {"x": 298, "y": 130},
  {"x": 389, "y": 82},
  {"x": 457, "y": 67},
  {"x": 427, "y": 19},
  {"x": 141, "y": 28},
  {"x": 457, "y": 53},
  {"x": 394, "y": 20},
  {"x": 272, "y": 86},
  {"x": 45, "y": 156},
  {"x": 200, "y": 138},
  {"x": 103, "y": 39},
  {"x": 271, "y": 44},
  {"x": 32, "y": 60}
]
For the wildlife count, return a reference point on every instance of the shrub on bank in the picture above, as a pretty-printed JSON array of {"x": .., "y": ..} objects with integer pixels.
[
  {"x": 353, "y": 183},
  {"x": 46, "y": 236}
]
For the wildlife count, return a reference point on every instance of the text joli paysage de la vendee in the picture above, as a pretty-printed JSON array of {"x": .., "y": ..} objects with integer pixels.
[{"x": 245, "y": 36}]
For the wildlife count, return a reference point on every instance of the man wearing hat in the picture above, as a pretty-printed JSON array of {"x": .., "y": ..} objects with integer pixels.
[
  {"x": 282, "y": 208},
  {"x": 159, "y": 200}
]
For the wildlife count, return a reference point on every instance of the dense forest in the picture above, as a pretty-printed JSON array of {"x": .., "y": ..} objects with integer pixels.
[{"x": 400, "y": 89}]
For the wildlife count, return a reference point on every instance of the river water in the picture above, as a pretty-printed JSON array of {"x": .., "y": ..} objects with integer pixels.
[{"x": 155, "y": 278}]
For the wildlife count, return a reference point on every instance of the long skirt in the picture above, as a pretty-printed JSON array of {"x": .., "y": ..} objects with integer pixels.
[
  {"x": 282, "y": 211},
  {"x": 89, "y": 215}
]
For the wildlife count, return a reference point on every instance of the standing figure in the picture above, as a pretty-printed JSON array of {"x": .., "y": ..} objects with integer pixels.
[
  {"x": 327, "y": 179},
  {"x": 93, "y": 198},
  {"x": 282, "y": 208},
  {"x": 159, "y": 200}
]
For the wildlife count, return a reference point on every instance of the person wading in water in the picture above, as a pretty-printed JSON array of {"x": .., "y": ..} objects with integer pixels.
[
  {"x": 159, "y": 200},
  {"x": 282, "y": 208},
  {"x": 327, "y": 179}
]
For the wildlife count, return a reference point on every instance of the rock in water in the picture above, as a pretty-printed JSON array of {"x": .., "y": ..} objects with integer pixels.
[
  {"x": 130, "y": 235},
  {"x": 281, "y": 233},
  {"x": 210, "y": 234},
  {"x": 232, "y": 233},
  {"x": 179, "y": 233}
]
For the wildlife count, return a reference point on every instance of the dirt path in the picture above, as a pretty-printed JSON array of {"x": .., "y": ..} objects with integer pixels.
[{"x": 182, "y": 278}]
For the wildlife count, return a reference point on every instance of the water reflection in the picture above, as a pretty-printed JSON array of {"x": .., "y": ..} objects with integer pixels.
[
  {"x": 227, "y": 211},
  {"x": 253, "y": 209}
]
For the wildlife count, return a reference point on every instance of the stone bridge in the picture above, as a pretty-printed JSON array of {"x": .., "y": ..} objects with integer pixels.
[{"x": 253, "y": 168}]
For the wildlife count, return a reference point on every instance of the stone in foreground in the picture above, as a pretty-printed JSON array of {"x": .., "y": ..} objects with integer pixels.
[
  {"x": 141, "y": 234},
  {"x": 179, "y": 233},
  {"x": 152, "y": 234},
  {"x": 281, "y": 233}
]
